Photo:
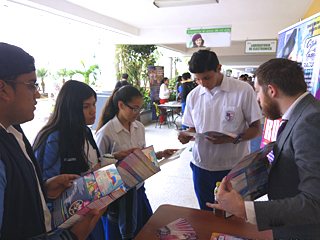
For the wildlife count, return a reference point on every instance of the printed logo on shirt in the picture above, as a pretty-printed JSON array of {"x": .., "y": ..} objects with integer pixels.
[{"x": 229, "y": 116}]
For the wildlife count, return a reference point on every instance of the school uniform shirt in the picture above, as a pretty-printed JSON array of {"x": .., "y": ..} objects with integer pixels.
[
  {"x": 230, "y": 107},
  {"x": 113, "y": 132}
]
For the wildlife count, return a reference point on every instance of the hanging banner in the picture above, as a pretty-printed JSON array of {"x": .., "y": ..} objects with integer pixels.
[
  {"x": 218, "y": 36},
  {"x": 156, "y": 74},
  {"x": 299, "y": 43},
  {"x": 261, "y": 46}
]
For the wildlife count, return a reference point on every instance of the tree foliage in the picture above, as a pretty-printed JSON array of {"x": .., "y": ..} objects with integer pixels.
[
  {"x": 42, "y": 73},
  {"x": 92, "y": 70},
  {"x": 134, "y": 60}
]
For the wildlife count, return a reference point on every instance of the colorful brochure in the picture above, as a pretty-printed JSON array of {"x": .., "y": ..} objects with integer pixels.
[
  {"x": 178, "y": 229},
  {"x": 221, "y": 236},
  {"x": 97, "y": 189},
  {"x": 209, "y": 134}
]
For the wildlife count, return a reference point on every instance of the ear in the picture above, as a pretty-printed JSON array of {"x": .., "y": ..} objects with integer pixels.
[
  {"x": 120, "y": 105},
  {"x": 272, "y": 91},
  {"x": 219, "y": 68},
  {"x": 4, "y": 91}
]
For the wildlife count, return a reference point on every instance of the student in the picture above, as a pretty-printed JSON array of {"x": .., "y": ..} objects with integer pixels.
[
  {"x": 124, "y": 81},
  {"x": 118, "y": 127},
  {"x": 164, "y": 95},
  {"x": 65, "y": 145},
  {"x": 23, "y": 210},
  {"x": 293, "y": 209},
  {"x": 219, "y": 103}
]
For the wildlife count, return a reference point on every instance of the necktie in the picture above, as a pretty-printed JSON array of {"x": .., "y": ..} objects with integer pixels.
[{"x": 282, "y": 126}]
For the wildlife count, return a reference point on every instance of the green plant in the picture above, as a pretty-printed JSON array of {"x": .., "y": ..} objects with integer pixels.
[
  {"x": 134, "y": 60},
  {"x": 63, "y": 73},
  {"x": 42, "y": 73},
  {"x": 94, "y": 70}
]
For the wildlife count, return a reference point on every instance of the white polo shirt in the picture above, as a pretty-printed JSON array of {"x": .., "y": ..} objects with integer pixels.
[
  {"x": 113, "y": 131},
  {"x": 230, "y": 107}
]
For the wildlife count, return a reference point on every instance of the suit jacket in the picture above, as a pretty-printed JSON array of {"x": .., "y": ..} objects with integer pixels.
[{"x": 294, "y": 180}]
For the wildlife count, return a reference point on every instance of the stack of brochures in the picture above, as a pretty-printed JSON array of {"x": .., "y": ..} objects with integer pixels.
[
  {"x": 97, "y": 189},
  {"x": 220, "y": 236},
  {"x": 178, "y": 229}
]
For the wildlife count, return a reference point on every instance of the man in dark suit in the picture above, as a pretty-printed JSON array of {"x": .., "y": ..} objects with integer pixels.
[{"x": 294, "y": 178}]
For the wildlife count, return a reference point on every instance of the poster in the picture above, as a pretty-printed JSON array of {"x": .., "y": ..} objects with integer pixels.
[
  {"x": 156, "y": 74},
  {"x": 299, "y": 43},
  {"x": 218, "y": 36}
]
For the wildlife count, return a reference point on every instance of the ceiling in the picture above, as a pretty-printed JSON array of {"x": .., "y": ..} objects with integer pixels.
[{"x": 141, "y": 22}]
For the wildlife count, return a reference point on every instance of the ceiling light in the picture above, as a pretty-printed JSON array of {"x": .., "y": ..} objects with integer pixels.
[{"x": 179, "y": 3}]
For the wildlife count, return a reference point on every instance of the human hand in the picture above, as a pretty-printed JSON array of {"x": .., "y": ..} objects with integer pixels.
[
  {"x": 56, "y": 185},
  {"x": 183, "y": 138},
  {"x": 229, "y": 200},
  {"x": 83, "y": 228},
  {"x": 168, "y": 152},
  {"x": 221, "y": 139},
  {"x": 121, "y": 154}
]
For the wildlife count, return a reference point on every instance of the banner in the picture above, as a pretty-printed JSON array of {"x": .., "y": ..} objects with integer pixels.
[
  {"x": 299, "y": 43},
  {"x": 218, "y": 36},
  {"x": 156, "y": 74}
]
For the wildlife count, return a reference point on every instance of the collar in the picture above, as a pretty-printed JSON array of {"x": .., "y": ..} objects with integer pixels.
[
  {"x": 224, "y": 86},
  {"x": 118, "y": 127},
  {"x": 289, "y": 111}
]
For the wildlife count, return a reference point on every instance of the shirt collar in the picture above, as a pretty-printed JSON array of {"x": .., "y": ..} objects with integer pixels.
[
  {"x": 224, "y": 86},
  {"x": 289, "y": 111},
  {"x": 118, "y": 127}
]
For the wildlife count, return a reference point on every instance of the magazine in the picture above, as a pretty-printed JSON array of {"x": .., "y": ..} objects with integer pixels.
[
  {"x": 250, "y": 176},
  {"x": 97, "y": 189},
  {"x": 209, "y": 134},
  {"x": 178, "y": 229}
]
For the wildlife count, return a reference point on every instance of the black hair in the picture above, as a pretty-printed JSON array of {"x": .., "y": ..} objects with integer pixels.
[
  {"x": 164, "y": 79},
  {"x": 285, "y": 74},
  {"x": 202, "y": 61},
  {"x": 186, "y": 76},
  {"x": 179, "y": 79},
  {"x": 110, "y": 109},
  {"x": 69, "y": 120}
]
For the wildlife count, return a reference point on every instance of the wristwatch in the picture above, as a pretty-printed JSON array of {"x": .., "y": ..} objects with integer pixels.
[{"x": 239, "y": 139}]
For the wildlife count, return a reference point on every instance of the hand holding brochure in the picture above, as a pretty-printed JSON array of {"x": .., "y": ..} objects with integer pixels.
[
  {"x": 209, "y": 134},
  {"x": 97, "y": 189},
  {"x": 250, "y": 176}
]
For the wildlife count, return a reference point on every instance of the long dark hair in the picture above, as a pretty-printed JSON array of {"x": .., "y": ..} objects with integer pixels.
[
  {"x": 111, "y": 108},
  {"x": 68, "y": 119}
]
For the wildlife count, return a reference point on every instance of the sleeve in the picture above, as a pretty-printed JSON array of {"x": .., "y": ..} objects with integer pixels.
[
  {"x": 50, "y": 161},
  {"x": 103, "y": 142},
  {"x": 187, "y": 115},
  {"x": 3, "y": 184},
  {"x": 304, "y": 207}
]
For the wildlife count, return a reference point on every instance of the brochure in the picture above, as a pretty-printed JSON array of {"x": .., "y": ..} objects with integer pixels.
[
  {"x": 97, "y": 189},
  {"x": 209, "y": 134},
  {"x": 221, "y": 236},
  {"x": 178, "y": 229}
]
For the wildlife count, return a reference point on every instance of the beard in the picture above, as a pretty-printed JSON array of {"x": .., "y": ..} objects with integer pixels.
[{"x": 271, "y": 109}]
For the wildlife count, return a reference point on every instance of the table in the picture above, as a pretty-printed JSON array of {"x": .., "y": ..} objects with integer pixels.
[
  {"x": 203, "y": 222},
  {"x": 172, "y": 106}
]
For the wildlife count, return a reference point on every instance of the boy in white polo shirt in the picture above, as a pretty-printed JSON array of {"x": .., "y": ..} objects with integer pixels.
[{"x": 219, "y": 103}]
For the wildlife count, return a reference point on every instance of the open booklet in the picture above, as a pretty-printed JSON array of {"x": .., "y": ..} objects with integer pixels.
[
  {"x": 97, "y": 189},
  {"x": 209, "y": 134},
  {"x": 250, "y": 176}
]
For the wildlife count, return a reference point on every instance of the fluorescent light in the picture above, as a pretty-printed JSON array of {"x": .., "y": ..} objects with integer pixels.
[{"x": 179, "y": 3}]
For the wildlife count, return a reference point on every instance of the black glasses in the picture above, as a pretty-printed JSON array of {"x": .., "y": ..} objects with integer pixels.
[
  {"x": 34, "y": 86},
  {"x": 135, "y": 110}
]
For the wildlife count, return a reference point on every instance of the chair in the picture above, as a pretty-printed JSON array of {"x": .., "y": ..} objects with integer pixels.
[{"x": 160, "y": 113}]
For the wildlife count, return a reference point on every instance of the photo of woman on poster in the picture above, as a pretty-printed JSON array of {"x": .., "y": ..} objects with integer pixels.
[{"x": 197, "y": 40}]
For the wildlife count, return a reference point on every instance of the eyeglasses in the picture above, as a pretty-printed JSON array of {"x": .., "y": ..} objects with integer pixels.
[
  {"x": 34, "y": 86},
  {"x": 135, "y": 110}
]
